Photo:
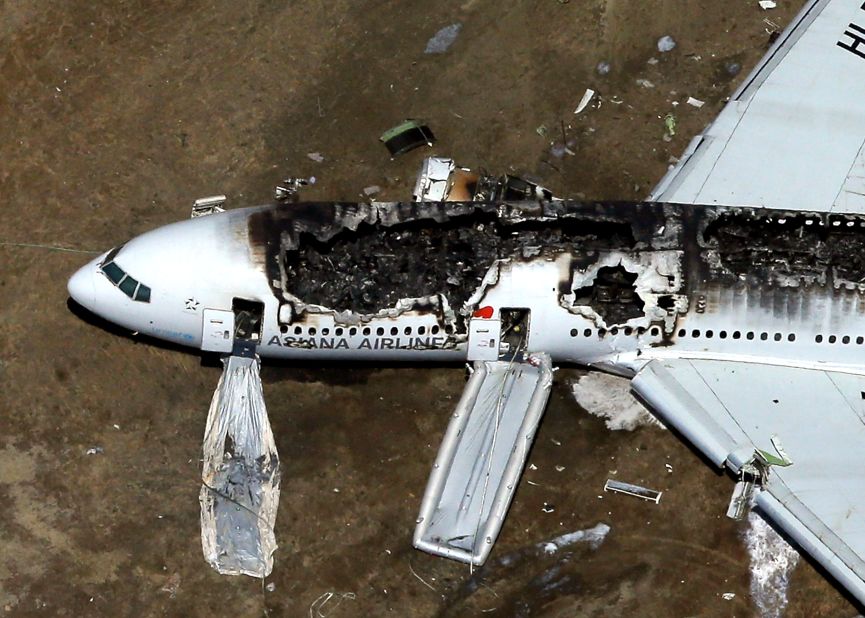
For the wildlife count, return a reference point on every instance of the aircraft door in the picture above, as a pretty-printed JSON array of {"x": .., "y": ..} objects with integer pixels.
[{"x": 217, "y": 331}]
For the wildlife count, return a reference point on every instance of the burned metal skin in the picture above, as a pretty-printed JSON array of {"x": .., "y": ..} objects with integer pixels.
[
  {"x": 605, "y": 284},
  {"x": 381, "y": 268}
]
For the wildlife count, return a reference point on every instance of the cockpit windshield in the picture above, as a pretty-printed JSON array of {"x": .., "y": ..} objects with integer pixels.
[{"x": 116, "y": 275}]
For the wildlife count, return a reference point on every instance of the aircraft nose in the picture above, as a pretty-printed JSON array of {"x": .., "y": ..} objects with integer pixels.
[{"x": 81, "y": 286}]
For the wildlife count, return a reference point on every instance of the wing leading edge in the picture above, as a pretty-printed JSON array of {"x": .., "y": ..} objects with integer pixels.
[
  {"x": 732, "y": 409},
  {"x": 792, "y": 135}
]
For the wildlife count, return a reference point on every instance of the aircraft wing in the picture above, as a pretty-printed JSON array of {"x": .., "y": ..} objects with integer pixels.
[
  {"x": 816, "y": 418},
  {"x": 792, "y": 135}
]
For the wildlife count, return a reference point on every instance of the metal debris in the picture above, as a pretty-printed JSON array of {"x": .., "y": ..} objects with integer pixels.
[
  {"x": 666, "y": 44},
  {"x": 443, "y": 39},
  {"x": 695, "y": 102},
  {"x": 94, "y": 450},
  {"x": 371, "y": 190},
  {"x": 315, "y": 156},
  {"x": 645, "y": 83},
  {"x": 603, "y": 68},
  {"x": 584, "y": 102},
  {"x": 633, "y": 490},
  {"x": 767, "y": 4},
  {"x": 407, "y": 135}
]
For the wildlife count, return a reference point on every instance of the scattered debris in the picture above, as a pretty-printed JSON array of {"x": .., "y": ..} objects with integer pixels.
[
  {"x": 542, "y": 130},
  {"x": 548, "y": 508},
  {"x": 587, "y": 97},
  {"x": 603, "y": 68},
  {"x": 666, "y": 44},
  {"x": 443, "y": 39},
  {"x": 695, "y": 102},
  {"x": 94, "y": 450},
  {"x": 371, "y": 190},
  {"x": 270, "y": 587},
  {"x": 669, "y": 127},
  {"x": 593, "y": 536},
  {"x": 408, "y": 135},
  {"x": 290, "y": 187},
  {"x": 560, "y": 468},
  {"x": 728, "y": 596},
  {"x": 208, "y": 206},
  {"x": 767, "y": 4},
  {"x": 669, "y": 468},
  {"x": 633, "y": 490},
  {"x": 645, "y": 83},
  {"x": 652, "y": 61},
  {"x": 315, "y": 156},
  {"x": 441, "y": 180},
  {"x": 316, "y": 607},
  {"x": 172, "y": 585},
  {"x": 733, "y": 68}
]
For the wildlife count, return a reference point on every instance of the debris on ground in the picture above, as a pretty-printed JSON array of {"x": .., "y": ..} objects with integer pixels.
[
  {"x": 443, "y": 39},
  {"x": 407, "y": 135},
  {"x": 767, "y": 4},
  {"x": 316, "y": 608},
  {"x": 290, "y": 187},
  {"x": 172, "y": 585},
  {"x": 695, "y": 102},
  {"x": 728, "y": 596},
  {"x": 669, "y": 127},
  {"x": 666, "y": 44},
  {"x": 593, "y": 536},
  {"x": 94, "y": 450},
  {"x": 315, "y": 156},
  {"x": 240, "y": 474},
  {"x": 645, "y": 83},
  {"x": 548, "y": 508},
  {"x": 633, "y": 490},
  {"x": 584, "y": 102},
  {"x": 603, "y": 68},
  {"x": 371, "y": 190},
  {"x": 733, "y": 68}
]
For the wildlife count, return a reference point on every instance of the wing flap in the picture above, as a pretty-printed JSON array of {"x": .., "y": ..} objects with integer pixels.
[{"x": 818, "y": 416}]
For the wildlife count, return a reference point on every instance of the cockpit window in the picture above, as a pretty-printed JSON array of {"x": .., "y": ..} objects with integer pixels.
[
  {"x": 113, "y": 272},
  {"x": 128, "y": 285}
]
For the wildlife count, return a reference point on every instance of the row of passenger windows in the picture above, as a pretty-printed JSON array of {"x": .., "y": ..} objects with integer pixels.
[
  {"x": 709, "y": 334},
  {"x": 128, "y": 285},
  {"x": 365, "y": 331},
  {"x": 736, "y": 334},
  {"x": 627, "y": 331}
]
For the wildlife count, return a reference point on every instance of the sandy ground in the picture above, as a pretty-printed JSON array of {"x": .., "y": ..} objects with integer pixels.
[{"x": 117, "y": 115}]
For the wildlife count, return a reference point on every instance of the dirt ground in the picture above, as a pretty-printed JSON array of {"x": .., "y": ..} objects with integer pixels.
[{"x": 116, "y": 115}]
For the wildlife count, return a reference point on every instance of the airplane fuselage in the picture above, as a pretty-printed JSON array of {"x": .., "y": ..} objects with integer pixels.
[{"x": 611, "y": 285}]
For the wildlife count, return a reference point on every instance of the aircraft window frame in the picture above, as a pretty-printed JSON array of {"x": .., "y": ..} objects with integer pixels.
[
  {"x": 118, "y": 277},
  {"x": 128, "y": 285}
]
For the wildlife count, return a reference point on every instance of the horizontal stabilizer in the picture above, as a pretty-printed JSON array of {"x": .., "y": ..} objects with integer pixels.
[{"x": 481, "y": 458}]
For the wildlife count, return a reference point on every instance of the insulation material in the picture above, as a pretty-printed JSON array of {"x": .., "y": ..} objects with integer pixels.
[{"x": 240, "y": 477}]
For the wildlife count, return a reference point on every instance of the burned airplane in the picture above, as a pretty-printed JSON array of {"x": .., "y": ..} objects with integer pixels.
[{"x": 732, "y": 298}]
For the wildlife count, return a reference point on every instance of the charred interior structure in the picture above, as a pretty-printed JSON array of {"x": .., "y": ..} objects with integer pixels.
[
  {"x": 625, "y": 261},
  {"x": 789, "y": 248}
]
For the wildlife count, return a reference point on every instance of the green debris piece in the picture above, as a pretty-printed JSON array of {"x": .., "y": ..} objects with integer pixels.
[
  {"x": 407, "y": 125},
  {"x": 670, "y": 124},
  {"x": 773, "y": 460}
]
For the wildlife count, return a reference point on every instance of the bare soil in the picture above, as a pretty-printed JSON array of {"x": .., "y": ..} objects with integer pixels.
[{"x": 116, "y": 115}]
